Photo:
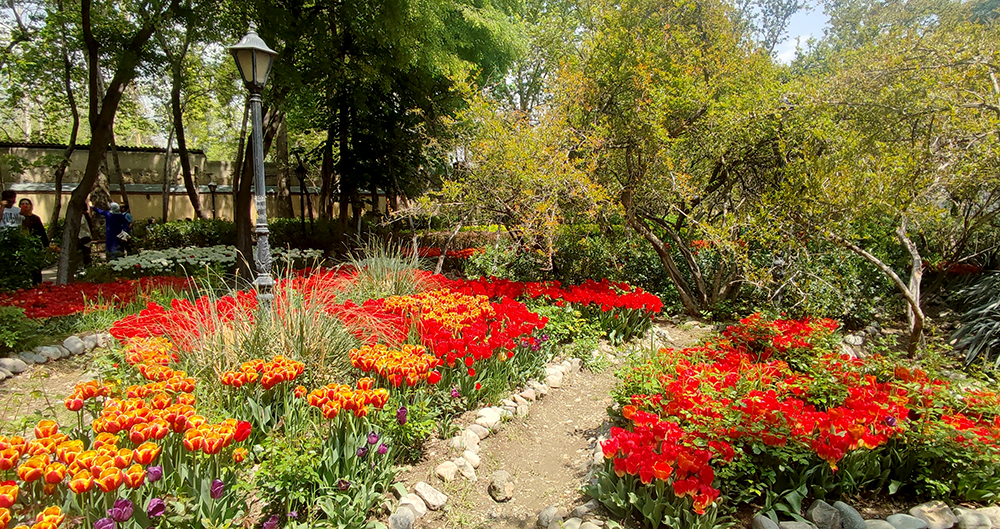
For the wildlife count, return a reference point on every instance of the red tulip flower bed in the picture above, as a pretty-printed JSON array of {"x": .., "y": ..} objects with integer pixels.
[
  {"x": 49, "y": 300},
  {"x": 707, "y": 420}
]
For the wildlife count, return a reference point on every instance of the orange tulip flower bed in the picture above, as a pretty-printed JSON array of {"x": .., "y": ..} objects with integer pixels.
[
  {"x": 163, "y": 437},
  {"x": 700, "y": 424}
]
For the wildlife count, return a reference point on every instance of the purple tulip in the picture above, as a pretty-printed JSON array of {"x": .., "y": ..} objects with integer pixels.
[
  {"x": 455, "y": 394},
  {"x": 156, "y": 508},
  {"x": 292, "y": 515},
  {"x": 272, "y": 522},
  {"x": 891, "y": 421},
  {"x": 153, "y": 474},
  {"x": 105, "y": 523},
  {"x": 121, "y": 511},
  {"x": 382, "y": 449},
  {"x": 401, "y": 415},
  {"x": 372, "y": 437},
  {"x": 343, "y": 485},
  {"x": 218, "y": 487},
  {"x": 362, "y": 451}
]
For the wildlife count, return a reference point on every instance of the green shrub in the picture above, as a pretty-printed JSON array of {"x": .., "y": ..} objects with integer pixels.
[
  {"x": 323, "y": 235},
  {"x": 15, "y": 327},
  {"x": 979, "y": 333},
  {"x": 21, "y": 255}
]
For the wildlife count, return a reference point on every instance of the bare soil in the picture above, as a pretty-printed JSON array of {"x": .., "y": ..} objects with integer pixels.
[{"x": 38, "y": 393}]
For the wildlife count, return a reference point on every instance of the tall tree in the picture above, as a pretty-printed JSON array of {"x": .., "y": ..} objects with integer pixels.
[{"x": 122, "y": 58}]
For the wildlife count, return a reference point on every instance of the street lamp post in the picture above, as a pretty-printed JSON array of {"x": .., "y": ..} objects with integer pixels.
[
  {"x": 212, "y": 186},
  {"x": 254, "y": 59},
  {"x": 300, "y": 172}
]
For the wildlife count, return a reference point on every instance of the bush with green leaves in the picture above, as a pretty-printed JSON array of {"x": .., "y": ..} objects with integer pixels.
[
  {"x": 21, "y": 255},
  {"x": 15, "y": 327}
]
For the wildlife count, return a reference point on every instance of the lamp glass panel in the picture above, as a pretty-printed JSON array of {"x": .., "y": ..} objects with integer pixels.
[
  {"x": 244, "y": 59},
  {"x": 263, "y": 66}
]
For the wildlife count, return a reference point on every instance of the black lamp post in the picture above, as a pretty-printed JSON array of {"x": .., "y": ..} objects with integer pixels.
[
  {"x": 254, "y": 59},
  {"x": 212, "y": 186},
  {"x": 300, "y": 172}
]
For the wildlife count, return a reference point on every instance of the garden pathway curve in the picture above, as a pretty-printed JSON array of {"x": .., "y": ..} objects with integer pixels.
[{"x": 548, "y": 454}]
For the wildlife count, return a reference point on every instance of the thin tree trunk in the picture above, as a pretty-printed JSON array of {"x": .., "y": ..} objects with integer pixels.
[
  {"x": 118, "y": 170},
  {"x": 244, "y": 265},
  {"x": 326, "y": 175},
  {"x": 914, "y": 314},
  {"x": 284, "y": 207},
  {"x": 167, "y": 180},
  {"x": 182, "y": 151},
  {"x": 447, "y": 244},
  {"x": 60, "y": 171}
]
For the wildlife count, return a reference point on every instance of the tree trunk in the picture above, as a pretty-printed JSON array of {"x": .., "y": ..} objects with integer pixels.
[
  {"x": 102, "y": 117},
  {"x": 244, "y": 248},
  {"x": 118, "y": 171},
  {"x": 175, "y": 106},
  {"x": 345, "y": 166},
  {"x": 447, "y": 244},
  {"x": 914, "y": 314},
  {"x": 284, "y": 207},
  {"x": 60, "y": 171},
  {"x": 326, "y": 175},
  {"x": 167, "y": 176}
]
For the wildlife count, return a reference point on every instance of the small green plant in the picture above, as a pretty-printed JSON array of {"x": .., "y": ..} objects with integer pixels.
[{"x": 15, "y": 328}]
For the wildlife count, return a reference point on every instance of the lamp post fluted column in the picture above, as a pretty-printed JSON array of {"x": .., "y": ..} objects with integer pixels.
[
  {"x": 264, "y": 282},
  {"x": 254, "y": 60}
]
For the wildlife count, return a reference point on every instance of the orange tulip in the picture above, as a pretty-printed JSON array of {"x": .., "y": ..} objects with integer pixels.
[
  {"x": 4, "y": 518},
  {"x": 68, "y": 450},
  {"x": 82, "y": 482},
  {"x": 49, "y": 489},
  {"x": 146, "y": 453},
  {"x": 137, "y": 433},
  {"x": 300, "y": 391},
  {"x": 8, "y": 458},
  {"x": 212, "y": 444},
  {"x": 73, "y": 403},
  {"x": 32, "y": 469},
  {"x": 105, "y": 439},
  {"x": 239, "y": 455},
  {"x": 17, "y": 443},
  {"x": 193, "y": 440},
  {"x": 55, "y": 472},
  {"x": 101, "y": 462},
  {"x": 123, "y": 458},
  {"x": 86, "y": 458},
  {"x": 45, "y": 428},
  {"x": 110, "y": 479},
  {"x": 51, "y": 514},
  {"x": 331, "y": 409},
  {"x": 8, "y": 494},
  {"x": 135, "y": 476},
  {"x": 160, "y": 401},
  {"x": 186, "y": 399}
]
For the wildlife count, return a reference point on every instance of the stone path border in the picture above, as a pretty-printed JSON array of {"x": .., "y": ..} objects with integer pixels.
[{"x": 71, "y": 346}]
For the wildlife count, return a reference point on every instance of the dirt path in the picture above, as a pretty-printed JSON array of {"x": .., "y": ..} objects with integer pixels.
[
  {"x": 39, "y": 392},
  {"x": 548, "y": 454}
]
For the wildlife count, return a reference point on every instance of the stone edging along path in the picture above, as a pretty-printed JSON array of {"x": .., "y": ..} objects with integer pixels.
[
  {"x": 71, "y": 346},
  {"x": 415, "y": 505}
]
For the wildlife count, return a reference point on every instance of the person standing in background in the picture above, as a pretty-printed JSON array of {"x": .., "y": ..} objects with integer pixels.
[
  {"x": 114, "y": 229},
  {"x": 33, "y": 225},
  {"x": 11, "y": 213}
]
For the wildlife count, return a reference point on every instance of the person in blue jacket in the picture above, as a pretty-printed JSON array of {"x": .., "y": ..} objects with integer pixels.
[{"x": 116, "y": 229}]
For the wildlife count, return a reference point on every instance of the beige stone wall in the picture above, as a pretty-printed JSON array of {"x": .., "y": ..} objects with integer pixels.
[{"x": 145, "y": 206}]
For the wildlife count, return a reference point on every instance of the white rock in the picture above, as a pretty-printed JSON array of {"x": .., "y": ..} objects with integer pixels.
[
  {"x": 528, "y": 394},
  {"x": 414, "y": 503},
  {"x": 471, "y": 457},
  {"x": 14, "y": 365},
  {"x": 575, "y": 364},
  {"x": 489, "y": 418},
  {"x": 554, "y": 380},
  {"x": 481, "y": 431},
  {"x": 433, "y": 498},
  {"x": 466, "y": 469},
  {"x": 74, "y": 345},
  {"x": 507, "y": 403},
  {"x": 446, "y": 471},
  {"x": 89, "y": 342},
  {"x": 519, "y": 400},
  {"x": 522, "y": 411}
]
